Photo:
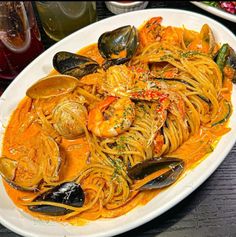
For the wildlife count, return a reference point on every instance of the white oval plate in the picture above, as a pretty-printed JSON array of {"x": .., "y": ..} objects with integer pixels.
[
  {"x": 22, "y": 223},
  {"x": 216, "y": 11}
]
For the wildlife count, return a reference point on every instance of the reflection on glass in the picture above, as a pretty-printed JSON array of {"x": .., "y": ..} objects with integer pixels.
[
  {"x": 20, "y": 40},
  {"x": 60, "y": 19}
]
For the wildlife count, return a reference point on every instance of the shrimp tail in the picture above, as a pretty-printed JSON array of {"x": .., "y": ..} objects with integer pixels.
[{"x": 105, "y": 103}]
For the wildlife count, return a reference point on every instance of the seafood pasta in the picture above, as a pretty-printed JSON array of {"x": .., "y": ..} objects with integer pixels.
[{"x": 118, "y": 122}]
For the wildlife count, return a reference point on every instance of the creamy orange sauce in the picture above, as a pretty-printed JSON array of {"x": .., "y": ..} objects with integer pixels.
[
  {"x": 75, "y": 158},
  {"x": 192, "y": 152}
]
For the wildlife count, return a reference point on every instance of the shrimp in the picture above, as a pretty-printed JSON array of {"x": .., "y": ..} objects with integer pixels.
[
  {"x": 123, "y": 114},
  {"x": 171, "y": 35},
  {"x": 150, "y": 32}
]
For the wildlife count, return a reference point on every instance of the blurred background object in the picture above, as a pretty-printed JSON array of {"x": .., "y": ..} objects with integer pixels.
[
  {"x": 60, "y": 19},
  {"x": 20, "y": 40},
  {"x": 118, "y": 7},
  {"x": 225, "y": 10},
  {"x": 224, "y": 5}
]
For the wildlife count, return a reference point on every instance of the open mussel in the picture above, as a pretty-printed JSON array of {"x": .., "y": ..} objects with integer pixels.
[
  {"x": 52, "y": 86},
  {"x": 141, "y": 170},
  {"x": 68, "y": 193},
  {"x": 118, "y": 46},
  {"x": 73, "y": 64},
  {"x": 231, "y": 60},
  {"x": 226, "y": 56}
]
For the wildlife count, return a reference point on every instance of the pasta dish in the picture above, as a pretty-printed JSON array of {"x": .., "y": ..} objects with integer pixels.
[{"x": 117, "y": 122}]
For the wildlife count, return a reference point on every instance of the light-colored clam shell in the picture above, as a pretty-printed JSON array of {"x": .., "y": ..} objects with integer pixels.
[
  {"x": 69, "y": 119},
  {"x": 52, "y": 86}
]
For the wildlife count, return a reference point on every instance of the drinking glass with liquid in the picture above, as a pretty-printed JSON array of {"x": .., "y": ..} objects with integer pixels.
[
  {"x": 20, "y": 40},
  {"x": 60, "y": 19}
]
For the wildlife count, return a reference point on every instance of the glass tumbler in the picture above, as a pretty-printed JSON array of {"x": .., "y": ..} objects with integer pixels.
[
  {"x": 20, "y": 40},
  {"x": 60, "y": 19}
]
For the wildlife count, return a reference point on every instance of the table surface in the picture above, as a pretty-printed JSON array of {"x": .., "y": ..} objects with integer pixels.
[{"x": 208, "y": 211}]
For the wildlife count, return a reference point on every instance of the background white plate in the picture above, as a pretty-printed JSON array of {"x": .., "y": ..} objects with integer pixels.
[
  {"x": 216, "y": 11},
  {"x": 22, "y": 223}
]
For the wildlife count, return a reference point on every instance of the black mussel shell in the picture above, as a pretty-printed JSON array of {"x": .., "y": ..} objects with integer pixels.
[
  {"x": 73, "y": 64},
  {"x": 112, "y": 43},
  {"x": 231, "y": 60},
  {"x": 68, "y": 193},
  {"x": 165, "y": 179},
  {"x": 147, "y": 167},
  {"x": 113, "y": 62},
  {"x": 143, "y": 169}
]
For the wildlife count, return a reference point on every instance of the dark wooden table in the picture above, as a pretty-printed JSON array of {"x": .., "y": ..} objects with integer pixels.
[{"x": 210, "y": 211}]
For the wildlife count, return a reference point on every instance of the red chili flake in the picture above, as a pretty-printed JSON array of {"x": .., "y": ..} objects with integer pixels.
[
  {"x": 150, "y": 94},
  {"x": 163, "y": 98},
  {"x": 160, "y": 109}
]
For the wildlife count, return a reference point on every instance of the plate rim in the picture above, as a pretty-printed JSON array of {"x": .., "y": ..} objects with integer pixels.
[
  {"x": 182, "y": 194},
  {"x": 215, "y": 11}
]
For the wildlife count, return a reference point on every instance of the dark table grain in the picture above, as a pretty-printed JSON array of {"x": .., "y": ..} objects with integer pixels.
[{"x": 210, "y": 211}]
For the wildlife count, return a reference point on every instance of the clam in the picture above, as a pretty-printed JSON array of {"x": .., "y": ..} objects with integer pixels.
[
  {"x": 69, "y": 119},
  {"x": 51, "y": 157},
  {"x": 204, "y": 42},
  {"x": 8, "y": 169},
  {"x": 141, "y": 170},
  {"x": 118, "y": 46},
  {"x": 73, "y": 64},
  {"x": 52, "y": 86},
  {"x": 68, "y": 193},
  {"x": 207, "y": 36},
  {"x": 43, "y": 162}
]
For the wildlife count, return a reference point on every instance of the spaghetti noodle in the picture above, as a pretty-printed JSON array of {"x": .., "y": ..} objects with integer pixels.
[{"x": 169, "y": 100}]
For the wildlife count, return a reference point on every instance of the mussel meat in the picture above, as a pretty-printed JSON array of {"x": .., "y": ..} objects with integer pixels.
[
  {"x": 73, "y": 64},
  {"x": 69, "y": 119},
  {"x": 69, "y": 193},
  {"x": 52, "y": 86},
  {"x": 141, "y": 170},
  {"x": 118, "y": 46}
]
